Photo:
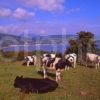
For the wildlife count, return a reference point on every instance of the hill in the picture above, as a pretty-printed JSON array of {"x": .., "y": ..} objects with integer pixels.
[{"x": 36, "y": 39}]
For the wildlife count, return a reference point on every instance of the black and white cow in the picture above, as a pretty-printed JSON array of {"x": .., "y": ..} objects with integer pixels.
[
  {"x": 58, "y": 63},
  {"x": 93, "y": 58},
  {"x": 72, "y": 58},
  {"x": 48, "y": 59},
  {"x": 65, "y": 63},
  {"x": 28, "y": 60},
  {"x": 49, "y": 62}
]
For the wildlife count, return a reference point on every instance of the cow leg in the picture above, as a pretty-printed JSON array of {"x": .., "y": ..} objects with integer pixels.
[
  {"x": 86, "y": 62},
  {"x": 97, "y": 65},
  {"x": 74, "y": 64},
  {"x": 58, "y": 76},
  {"x": 53, "y": 66},
  {"x": 45, "y": 72},
  {"x": 94, "y": 64},
  {"x": 28, "y": 63},
  {"x": 66, "y": 67}
]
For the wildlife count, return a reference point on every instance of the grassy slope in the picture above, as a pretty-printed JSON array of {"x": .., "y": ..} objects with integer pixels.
[{"x": 73, "y": 82}]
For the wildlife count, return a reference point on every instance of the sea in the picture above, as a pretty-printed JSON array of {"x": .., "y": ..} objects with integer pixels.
[{"x": 40, "y": 47}]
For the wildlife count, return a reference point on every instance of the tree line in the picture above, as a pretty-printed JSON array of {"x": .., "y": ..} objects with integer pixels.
[{"x": 85, "y": 42}]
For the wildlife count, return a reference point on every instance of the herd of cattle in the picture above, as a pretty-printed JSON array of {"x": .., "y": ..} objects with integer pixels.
[{"x": 58, "y": 62}]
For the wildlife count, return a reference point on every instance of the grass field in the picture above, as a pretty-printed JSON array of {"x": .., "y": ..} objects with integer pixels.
[{"x": 77, "y": 84}]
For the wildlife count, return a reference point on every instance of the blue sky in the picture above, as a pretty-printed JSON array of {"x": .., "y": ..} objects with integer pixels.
[{"x": 46, "y": 17}]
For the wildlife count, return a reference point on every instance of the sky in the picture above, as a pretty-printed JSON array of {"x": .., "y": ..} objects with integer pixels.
[{"x": 47, "y": 17}]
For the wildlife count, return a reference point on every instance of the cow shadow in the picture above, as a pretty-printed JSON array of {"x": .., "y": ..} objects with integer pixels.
[
  {"x": 48, "y": 73},
  {"x": 24, "y": 63},
  {"x": 91, "y": 66},
  {"x": 35, "y": 85}
]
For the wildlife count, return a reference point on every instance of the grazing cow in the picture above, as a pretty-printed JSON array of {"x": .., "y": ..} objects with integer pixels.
[
  {"x": 47, "y": 61},
  {"x": 57, "y": 63},
  {"x": 93, "y": 58},
  {"x": 33, "y": 85},
  {"x": 30, "y": 60},
  {"x": 48, "y": 58},
  {"x": 72, "y": 58},
  {"x": 60, "y": 65}
]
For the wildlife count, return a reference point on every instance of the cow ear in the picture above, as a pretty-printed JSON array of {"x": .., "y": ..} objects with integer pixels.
[{"x": 17, "y": 76}]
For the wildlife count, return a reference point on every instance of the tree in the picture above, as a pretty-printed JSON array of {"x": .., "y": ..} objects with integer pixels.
[
  {"x": 73, "y": 47},
  {"x": 82, "y": 44},
  {"x": 86, "y": 41}
]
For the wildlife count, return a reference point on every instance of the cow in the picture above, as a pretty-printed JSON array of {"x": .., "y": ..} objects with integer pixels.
[
  {"x": 93, "y": 58},
  {"x": 72, "y": 58},
  {"x": 30, "y": 60},
  {"x": 48, "y": 58},
  {"x": 65, "y": 63},
  {"x": 34, "y": 85},
  {"x": 49, "y": 61}
]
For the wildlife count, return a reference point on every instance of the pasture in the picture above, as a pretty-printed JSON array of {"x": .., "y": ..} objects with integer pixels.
[{"x": 77, "y": 84}]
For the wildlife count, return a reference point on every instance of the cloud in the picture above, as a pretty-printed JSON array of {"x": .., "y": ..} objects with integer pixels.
[
  {"x": 46, "y": 5},
  {"x": 18, "y": 13},
  {"x": 5, "y": 12}
]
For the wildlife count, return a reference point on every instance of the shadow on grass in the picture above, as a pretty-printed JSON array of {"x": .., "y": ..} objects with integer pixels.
[
  {"x": 90, "y": 66},
  {"x": 25, "y": 64},
  {"x": 48, "y": 73}
]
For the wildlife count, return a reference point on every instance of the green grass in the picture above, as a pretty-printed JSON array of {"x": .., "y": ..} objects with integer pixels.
[{"x": 74, "y": 81}]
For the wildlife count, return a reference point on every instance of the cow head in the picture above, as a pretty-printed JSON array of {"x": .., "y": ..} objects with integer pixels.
[{"x": 17, "y": 81}]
